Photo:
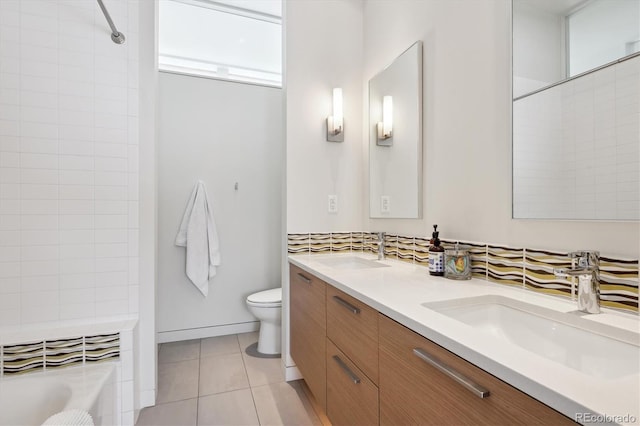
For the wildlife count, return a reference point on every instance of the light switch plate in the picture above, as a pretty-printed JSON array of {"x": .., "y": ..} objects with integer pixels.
[
  {"x": 385, "y": 204},
  {"x": 332, "y": 206}
]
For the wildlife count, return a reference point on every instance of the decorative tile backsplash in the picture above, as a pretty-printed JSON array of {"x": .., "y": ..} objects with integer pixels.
[
  {"x": 298, "y": 243},
  {"x": 22, "y": 358},
  {"x": 539, "y": 276},
  {"x": 48, "y": 354},
  {"x": 478, "y": 257},
  {"x": 525, "y": 267},
  {"x": 421, "y": 253},
  {"x": 63, "y": 353},
  {"x": 504, "y": 265},
  {"x": 406, "y": 248},
  {"x": 619, "y": 283}
]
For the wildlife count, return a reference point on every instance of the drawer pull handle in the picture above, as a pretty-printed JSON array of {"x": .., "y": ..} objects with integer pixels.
[
  {"x": 346, "y": 304},
  {"x": 303, "y": 278},
  {"x": 477, "y": 390},
  {"x": 355, "y": 379}
]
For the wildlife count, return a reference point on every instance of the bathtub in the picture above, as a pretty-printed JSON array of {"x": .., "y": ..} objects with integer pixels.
[{"x": 30, "y": 399}]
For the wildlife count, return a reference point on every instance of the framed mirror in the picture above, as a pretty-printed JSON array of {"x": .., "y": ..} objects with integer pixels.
[
  {"x": 576, "y": 97},
  {"x": 395, "y": 138}
]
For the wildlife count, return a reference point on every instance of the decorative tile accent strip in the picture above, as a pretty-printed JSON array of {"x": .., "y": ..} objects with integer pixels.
[
  {"x": 62, "y": 353},
  {"x": 341, "y": 242},
  {"x": 505, "y": 265},
  {"x": 619, "y": 283},
  {"x": 448, "y": 244},
  {"x": 320, "y": 243},
  {"x": 38, "y": 356},
  {"x": 370, "y": 242},
  {"x": 539, "y": 276},
  {"x": 391, "y": 246},
  {"x": 406, "y": 248},
  {"x": 357, "y": 241},
  {"x": 478, "y": 258},
  {"x": 421, "y": 254},
  {"x": 528, "y": 268},
  {"x": 298, "y": 243},
  {"x": 99, "y": 348},
  {"x": 24, "y": 358}
]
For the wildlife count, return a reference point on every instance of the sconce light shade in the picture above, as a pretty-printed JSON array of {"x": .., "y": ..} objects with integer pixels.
[
  {"x": 385, "y": 127},
  {"x": 335, "y": 122}
]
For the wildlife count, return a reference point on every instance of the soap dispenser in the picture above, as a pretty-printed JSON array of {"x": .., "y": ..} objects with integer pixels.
[{"x": 436, "y": 254}]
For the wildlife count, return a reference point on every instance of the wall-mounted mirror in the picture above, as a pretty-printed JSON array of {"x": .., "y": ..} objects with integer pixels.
[
  {"x": 395, "y": 138},
  {"x": 576, "y": 90}
]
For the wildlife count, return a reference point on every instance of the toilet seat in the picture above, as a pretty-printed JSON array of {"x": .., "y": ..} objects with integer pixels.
[{"x": 267, "y": 299}]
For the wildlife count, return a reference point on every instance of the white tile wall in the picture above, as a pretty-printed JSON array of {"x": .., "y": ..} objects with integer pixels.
[
  {"x": 68, "y": 161},
  {"x": 577, "y": 148}
]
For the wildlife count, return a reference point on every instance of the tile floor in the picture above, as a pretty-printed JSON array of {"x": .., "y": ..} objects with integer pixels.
[{"x": 214, "y": 382}]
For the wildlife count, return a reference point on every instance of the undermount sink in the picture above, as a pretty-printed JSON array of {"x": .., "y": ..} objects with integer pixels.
[
  {"x": 590, "y": 347},
  {"x": 350, "y": 262}
]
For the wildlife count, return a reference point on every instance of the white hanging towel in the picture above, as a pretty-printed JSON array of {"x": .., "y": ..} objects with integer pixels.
[{"x": 199, "y": 235}]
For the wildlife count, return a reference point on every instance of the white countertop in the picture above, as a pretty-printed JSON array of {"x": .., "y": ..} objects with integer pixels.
[{"x": 399, "y": 290}]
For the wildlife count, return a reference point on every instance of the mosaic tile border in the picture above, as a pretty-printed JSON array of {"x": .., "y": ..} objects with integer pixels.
[
  {"x": 406, "y": 248},
  {"x": 619, "y": 283},
  {"x": 529, "y": 268},
  {"x": 504, "y": 265},
  {"x": 478, "y": 257},
  {"x": 50, "y": 354},
  {"x": 539, "y": 276}
]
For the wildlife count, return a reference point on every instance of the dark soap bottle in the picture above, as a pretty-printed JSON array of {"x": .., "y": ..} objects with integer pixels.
[{"x": 436, "y": 254}]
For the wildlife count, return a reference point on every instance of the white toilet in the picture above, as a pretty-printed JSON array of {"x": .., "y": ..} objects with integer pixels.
[{"x": 267, "y": 307}]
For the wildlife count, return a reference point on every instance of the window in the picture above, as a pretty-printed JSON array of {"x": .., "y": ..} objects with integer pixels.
[
  {"x": 238, "y": 40},
  {"x": 602, "y": 31}
]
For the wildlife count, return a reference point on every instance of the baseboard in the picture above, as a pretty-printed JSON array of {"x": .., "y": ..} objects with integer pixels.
[
  {"x": 147, "y": 398},
  {"x": 204, "y": 332},
  {"x": 292, "y": 373}
]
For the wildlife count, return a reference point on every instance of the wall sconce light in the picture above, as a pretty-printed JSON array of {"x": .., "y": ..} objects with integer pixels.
[
  {"x": 335, "y": 122},
  {"x": 385, "y": 127}
]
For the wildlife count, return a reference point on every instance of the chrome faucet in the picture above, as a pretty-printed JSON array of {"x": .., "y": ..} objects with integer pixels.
[
  {"x": 588, "y": 273},
  {"x": 381, "y": 245}
]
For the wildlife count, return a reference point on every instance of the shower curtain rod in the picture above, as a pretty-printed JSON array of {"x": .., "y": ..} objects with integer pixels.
[{"x": 116, "y": 35}]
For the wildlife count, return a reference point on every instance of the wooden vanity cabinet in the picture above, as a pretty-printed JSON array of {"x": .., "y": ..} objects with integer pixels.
[
  {"x": 413, "y": 391},
  {"x": 363, "y": 368},
  {"x": 308, "y": 326}
]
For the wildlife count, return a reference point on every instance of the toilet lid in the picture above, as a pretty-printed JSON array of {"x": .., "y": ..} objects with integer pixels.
[{"x": 268, "y": 296}]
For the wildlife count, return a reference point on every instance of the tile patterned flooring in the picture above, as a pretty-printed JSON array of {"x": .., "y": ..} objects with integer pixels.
[{"x": 214, "y": 382}]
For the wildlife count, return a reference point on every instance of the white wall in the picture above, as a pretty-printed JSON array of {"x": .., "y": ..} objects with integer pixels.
[
  {"x": 323, "y": 51},
  {"x": 467, "y": 131},
  {"x": 221, "y": 133},
  {"x": 147, "y": 358},
  {"x": 68, "y": 161}
]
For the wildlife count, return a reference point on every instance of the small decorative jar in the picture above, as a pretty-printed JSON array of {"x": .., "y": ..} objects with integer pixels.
[{"x": 457, "y": 265}]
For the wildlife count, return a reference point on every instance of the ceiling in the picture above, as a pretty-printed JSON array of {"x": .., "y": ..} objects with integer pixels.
[{"x": 556, "y": 7}]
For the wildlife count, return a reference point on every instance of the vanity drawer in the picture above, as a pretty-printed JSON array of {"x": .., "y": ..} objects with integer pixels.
[
  {"x": 414, "y": 391},
  {"x": 352, "y": 399},
  {"x": 353, "y": 327},
  {"x": 309, "y": 295}
]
